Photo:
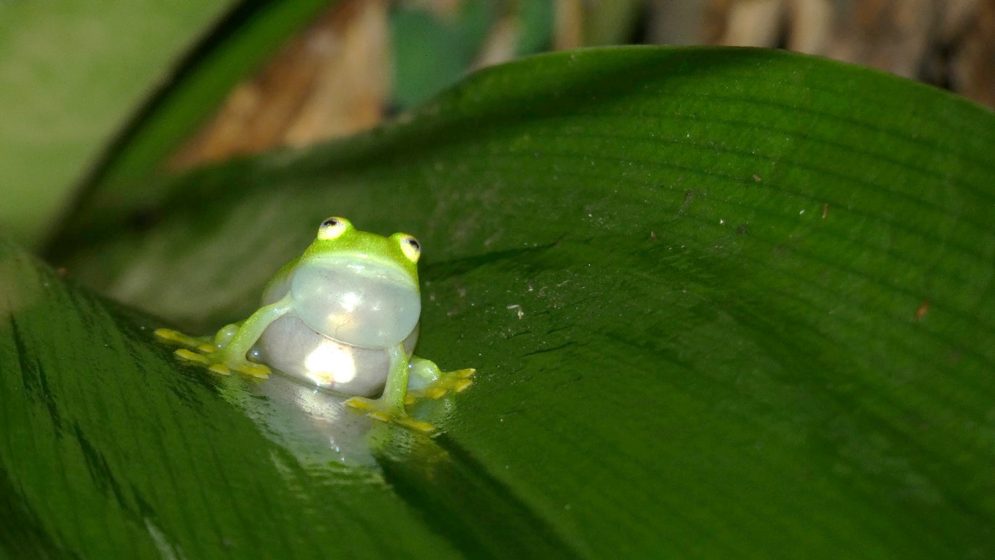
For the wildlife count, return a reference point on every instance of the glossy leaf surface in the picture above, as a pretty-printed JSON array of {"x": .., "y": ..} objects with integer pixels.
[{"x": 722, "y": 303}]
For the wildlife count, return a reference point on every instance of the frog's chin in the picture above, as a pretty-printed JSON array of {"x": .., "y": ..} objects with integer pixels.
[{"x": 361, "y": 302}]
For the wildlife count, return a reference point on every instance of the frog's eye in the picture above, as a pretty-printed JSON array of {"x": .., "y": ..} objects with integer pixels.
[
  {"x": 410, "y": 247},
  {"x": 332, "y": 228}
]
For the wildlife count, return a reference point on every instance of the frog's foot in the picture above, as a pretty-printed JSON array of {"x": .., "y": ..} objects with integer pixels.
[
  {"x": 219, "y": 363},
  {"x": 176, "y": 338},
  {"x": 380, "y": 410},
  {"x": 449, "y": 382}
]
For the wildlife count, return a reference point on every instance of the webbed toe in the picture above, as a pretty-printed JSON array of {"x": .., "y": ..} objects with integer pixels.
[
  {"x": 199, "y": 352},
  {"x": 379, "y": 410},
  {"x": 449, "y": 382}
]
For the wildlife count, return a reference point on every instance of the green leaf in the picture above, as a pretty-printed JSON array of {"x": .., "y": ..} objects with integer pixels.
[
  {"x": 248, "y": 35},
  {"x": 433, "y": 47},
  {"x": 72, "y": 74},
  {"x": 430, "y": 52},
  {"x": 722, "y": 302},
  {"x": 109, "y": 448}
]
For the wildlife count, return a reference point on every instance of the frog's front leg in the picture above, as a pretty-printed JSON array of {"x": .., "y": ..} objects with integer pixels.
[
  {"x": 389, "y": 407},
  {"x": 233, "y": 342},
  {"x": 440, "y": 383}
]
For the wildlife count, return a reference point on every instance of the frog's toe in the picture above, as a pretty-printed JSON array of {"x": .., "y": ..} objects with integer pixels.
[
  {"x": 252, "y": 369},
  {"x": 462, "y": 379},
  {"x": 202, "y": 360},
  {"x": 176, "y": 338},
  {"x": 193, "y": 357},
  {"x": 218, "y": 363},
  {"x": 374, "y": 408},
  {"x": 377, "y": 409},
  {"x": 220, "y": 369},
  {"x": 449, "y": 382},
  {"x": 417, "y": 425},
  {"x": 223, "y": 364}
]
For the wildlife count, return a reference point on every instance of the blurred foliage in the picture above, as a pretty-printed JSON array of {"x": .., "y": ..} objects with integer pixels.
[
  {"x": 362, "y": 58},
  {"x": 431, "y": 51},
  {"x": 72, "y": 76}
]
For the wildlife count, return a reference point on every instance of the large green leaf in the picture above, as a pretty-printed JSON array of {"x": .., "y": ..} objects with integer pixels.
[
  {"x": 722, "y": 303},
  {"x": 248, "y": 35},
  {"x": 72, "y": 74},
  {"x": 110, "y": 449}
]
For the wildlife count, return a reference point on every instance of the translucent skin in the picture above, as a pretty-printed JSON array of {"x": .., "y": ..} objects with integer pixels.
[
  {"x": 346, "y": 312},
  {"x": 344, "y": 316},
  {"x": 292, "y": 347},
  {"x": 353, "y": 299}
]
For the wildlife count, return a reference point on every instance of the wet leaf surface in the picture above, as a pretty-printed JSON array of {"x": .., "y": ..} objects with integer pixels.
[{"x": 721, "y": 303}]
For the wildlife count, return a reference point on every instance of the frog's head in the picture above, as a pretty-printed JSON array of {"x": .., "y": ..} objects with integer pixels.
[{"x": 357, "y": 287}]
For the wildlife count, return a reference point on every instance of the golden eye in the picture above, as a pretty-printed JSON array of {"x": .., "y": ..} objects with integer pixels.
[
  {"x": 410, "y": 247},
  {"x": 332, "y": 228}
]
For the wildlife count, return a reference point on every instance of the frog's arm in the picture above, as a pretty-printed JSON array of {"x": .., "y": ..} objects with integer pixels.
[
  {"x": 396, "y": 387},
  {"x": 233, "y": 351},
  {"x": 234, "y": 341},
  {"x": 281, "y": 275},
  {"x": 390, "y": 406},
  {"x": 227, "y": 351}
]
